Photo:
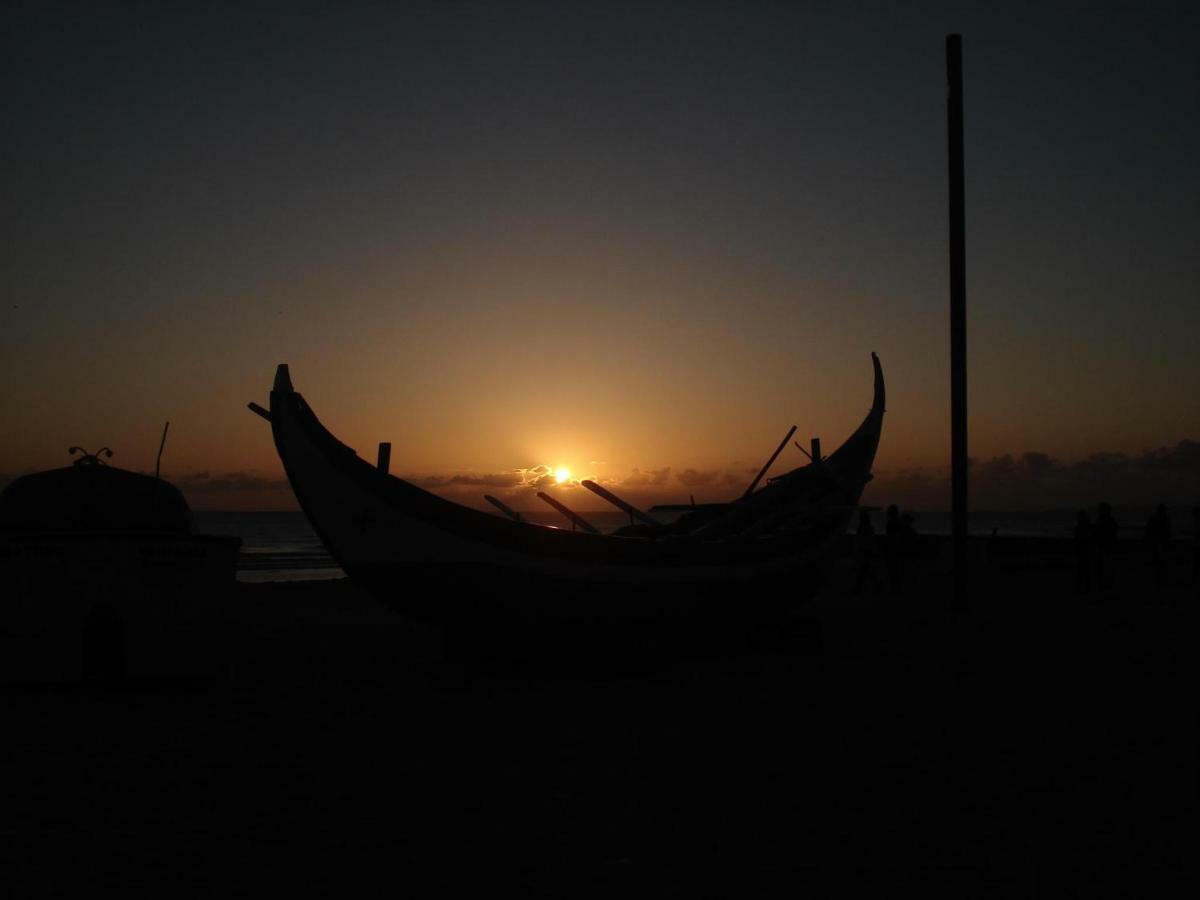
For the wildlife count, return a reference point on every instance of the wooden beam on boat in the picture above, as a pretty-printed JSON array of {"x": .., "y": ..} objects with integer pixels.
[
  {"x": 574, "y": 517},
  {"x": 258, "y": 410},
  {"x": 763, "y": 470},
  {"x": 384, "y": 459},
  {"x": 503, "y": 507},
  {"x": 813, "y": 453},
  {"x": 633, "y": 511}
]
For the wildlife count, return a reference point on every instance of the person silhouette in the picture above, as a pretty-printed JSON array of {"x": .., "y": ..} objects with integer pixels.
[
  {"x": 866, "y": 550},
  {"x": 894, "y": 551},
  {"x": 908, "y": 547},
  {"x": 1158, "y": 536},
  {"x": 1104, "y": 544},
  {"x": 1196, "y": 545},
  {"x": 1083, "y": 552}
]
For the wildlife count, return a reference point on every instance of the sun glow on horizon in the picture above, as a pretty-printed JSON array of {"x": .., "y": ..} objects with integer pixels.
[{"x": 562, "y": 474}]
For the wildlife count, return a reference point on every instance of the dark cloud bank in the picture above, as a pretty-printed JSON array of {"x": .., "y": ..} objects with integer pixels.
[
  {"x": 1034, "y": 481},
  {"x": 202, "y": 483},
  {"x": 1031, "y": 481}
]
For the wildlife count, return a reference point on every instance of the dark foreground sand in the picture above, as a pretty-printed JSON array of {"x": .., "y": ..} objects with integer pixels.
[{"x": 1040, "y": 745}]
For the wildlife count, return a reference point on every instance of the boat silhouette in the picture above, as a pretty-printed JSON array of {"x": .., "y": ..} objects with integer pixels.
[{"x": 431, "y": 558}]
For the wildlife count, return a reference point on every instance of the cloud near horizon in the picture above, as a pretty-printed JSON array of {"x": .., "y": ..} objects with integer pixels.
[
  {"x": 231, "y": 482},
  {"x": 496, "y": 480},
  {"x": 1036, "y": 480},
  {"x": 536, "y": 477},
  {"x": 694, "y": 478},
  {"x": 640, "y": 478},
  {"x": 1028, "y": 481}
]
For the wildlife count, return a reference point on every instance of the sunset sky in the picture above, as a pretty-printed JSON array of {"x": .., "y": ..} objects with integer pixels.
[{"x": 637, "y": 241}]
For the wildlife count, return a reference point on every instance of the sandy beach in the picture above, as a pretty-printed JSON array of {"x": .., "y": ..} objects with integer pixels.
[{"x": 1040, "y": 743}]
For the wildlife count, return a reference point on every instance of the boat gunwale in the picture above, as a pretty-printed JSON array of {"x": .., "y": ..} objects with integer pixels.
[{"x": 543, "y": 541}]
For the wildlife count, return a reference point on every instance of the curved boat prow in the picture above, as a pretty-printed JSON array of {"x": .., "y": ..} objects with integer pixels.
[
  {"x": 880, "y": 388},
  {"x": 872, "y": 425},
  {"x": 283, "y": 380},
  {"x": 875, "y": 416},
  {"x": 857, "y": 453},
  {"x": 837, "y": 479}
]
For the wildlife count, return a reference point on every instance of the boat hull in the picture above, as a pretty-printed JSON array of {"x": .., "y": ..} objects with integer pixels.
[{"x": 434, "y": 559}]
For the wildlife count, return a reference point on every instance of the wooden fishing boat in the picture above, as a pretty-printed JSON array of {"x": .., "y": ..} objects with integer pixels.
[{"x": 436, "y": 559}]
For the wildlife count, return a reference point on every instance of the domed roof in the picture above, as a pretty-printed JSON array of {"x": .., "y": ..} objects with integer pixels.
[{"x": 90, "y": 496}]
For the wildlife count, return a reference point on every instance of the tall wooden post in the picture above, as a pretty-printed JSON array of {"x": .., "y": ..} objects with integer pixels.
[{"x": 958, "y": 317}]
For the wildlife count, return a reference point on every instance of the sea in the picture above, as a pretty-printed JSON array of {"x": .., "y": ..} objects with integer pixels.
[{"x": 282, "y": 546}]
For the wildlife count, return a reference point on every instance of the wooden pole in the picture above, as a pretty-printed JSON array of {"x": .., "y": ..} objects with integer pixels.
[
  {"x": 161, "y": 444},
  {"x": 958, "y": 317},
  {"x": 763, "y": 470}
]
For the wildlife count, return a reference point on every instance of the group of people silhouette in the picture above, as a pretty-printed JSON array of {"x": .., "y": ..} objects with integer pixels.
[
  {"x": 1095, "y": 547},
  {"x": 1095, "y": 543},
  {"x": 899, "y": 546},
  {"x": 1196, "y": 547}
]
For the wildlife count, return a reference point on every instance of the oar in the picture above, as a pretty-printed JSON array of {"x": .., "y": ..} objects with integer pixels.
[
  {"x": 503, "y": 507},
  {"x": 574, "y": 517},
  {"x": 633, "y": 511},
  {"x": 763, "y": 470}
]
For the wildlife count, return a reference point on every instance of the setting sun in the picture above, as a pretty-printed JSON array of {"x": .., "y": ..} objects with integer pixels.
[{"x": 561, "y": 474}]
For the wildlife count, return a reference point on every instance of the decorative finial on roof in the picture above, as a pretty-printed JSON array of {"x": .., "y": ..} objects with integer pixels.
[{"x": 90, "y": 459}]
